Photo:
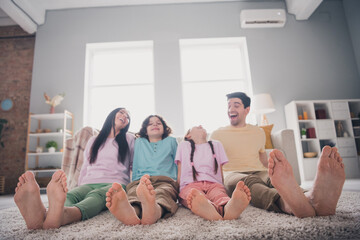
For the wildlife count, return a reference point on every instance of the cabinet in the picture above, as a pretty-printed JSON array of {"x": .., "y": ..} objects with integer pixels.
[
  {"x": 318, "y": 123},
  {"x": 43, "y": 128}
]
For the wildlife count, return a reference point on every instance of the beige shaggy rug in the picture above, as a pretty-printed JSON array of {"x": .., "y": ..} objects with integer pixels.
[{"x": 253, "y": 224}]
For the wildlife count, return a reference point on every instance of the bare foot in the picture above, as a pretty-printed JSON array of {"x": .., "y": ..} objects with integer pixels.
[
  {"x": 282, "y": 178},
  {"x": 151, "y": 211},
  {"x": 240, "y": 199},
  {"x": 118, "y": 204},
  {"x": 27, "y": 199},
  {"x": 328, "y": 184},
  {"x": 201, "y": 206},
  {"x": 56, "y": 192}
]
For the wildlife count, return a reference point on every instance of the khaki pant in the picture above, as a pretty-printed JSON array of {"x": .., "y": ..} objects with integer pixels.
[
  {"x": 263, "y": 193},
  {"x": 166, "y": 190}
]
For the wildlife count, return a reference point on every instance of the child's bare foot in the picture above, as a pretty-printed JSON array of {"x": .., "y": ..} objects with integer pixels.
[
  {"x": 151, "y": 211},
  {"x": 201, "y": 206},
  {"x": 118, "y": 204},
  {"x": 240, "y": 199},
  {"x": 27, "y": 199},
  {"x": 56, "y": 192},
  {"x": 328, "y": 184},
  {"x": 282, "y": 178}
]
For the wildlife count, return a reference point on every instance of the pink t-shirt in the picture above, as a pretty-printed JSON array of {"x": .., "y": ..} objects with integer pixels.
[
  {"x": 106, "y": 168},
  {"x": 204, "y": 162}
]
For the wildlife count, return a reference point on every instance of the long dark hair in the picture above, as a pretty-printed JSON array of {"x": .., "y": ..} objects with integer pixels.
[
  {"x": 143, "y": 133},
  {"x": 109, "y": 125},
  {"x": 192, "y": 143}
]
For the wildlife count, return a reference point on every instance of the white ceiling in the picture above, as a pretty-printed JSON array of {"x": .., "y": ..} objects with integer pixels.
[{"x": 29, "y": 14}]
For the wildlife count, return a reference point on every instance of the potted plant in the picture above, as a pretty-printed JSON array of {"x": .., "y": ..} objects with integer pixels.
[
  {"x": 51, "y": 146},
  {"x": 3, "y": 122}
]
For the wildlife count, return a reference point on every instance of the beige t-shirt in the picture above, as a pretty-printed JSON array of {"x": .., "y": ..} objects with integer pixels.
[{"x": 242, "y": 147}]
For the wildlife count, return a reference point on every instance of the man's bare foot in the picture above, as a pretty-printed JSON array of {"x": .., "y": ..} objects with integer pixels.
[
  {"x": 328, "y": 184},
  {"x": 151, "y": 211},
  {"x": 201, "y": 206},
  {"x": 118, "y": 204},
  {"x": 56, "y": 192},
  {"x": 240, "y": 199},
  {"x": 282, "y": 178},
  {"x": 28, "y": 200}
]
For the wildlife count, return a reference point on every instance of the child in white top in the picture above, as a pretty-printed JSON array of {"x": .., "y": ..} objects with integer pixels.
[{"x": 201, "y": 179}]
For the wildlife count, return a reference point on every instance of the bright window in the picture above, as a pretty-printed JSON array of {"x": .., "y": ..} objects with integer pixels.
[
  {"x": 212, "y": 68},
  {"x": 119, "y": 75}
]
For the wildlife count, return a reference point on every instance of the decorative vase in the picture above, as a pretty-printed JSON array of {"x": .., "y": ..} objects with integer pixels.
[
  {"x": 52, "y": 109},
  {"x": 51, "y": 149}
]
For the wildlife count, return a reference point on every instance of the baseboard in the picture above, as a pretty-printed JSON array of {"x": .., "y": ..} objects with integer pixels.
[{"x": 349, "y": 185}]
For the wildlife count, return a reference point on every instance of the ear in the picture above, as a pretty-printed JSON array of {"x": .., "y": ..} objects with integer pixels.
[{"x": 247, "y": 110}]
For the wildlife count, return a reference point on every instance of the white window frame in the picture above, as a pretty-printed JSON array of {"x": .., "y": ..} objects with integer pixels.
[
  {"x": 91, "y": 50},
  {"x": 237, "y": 41}
]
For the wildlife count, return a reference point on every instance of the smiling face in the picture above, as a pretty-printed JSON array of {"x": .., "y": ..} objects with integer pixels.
[
  {"x": 155, "y": 129},
  {"x": 237, "y": 113},
  {"x": 197, "y": 133},
  {"x": 121, "y": 119}
]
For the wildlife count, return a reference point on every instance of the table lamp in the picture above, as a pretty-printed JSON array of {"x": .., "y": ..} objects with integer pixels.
[{"x": 262, "y": 104}]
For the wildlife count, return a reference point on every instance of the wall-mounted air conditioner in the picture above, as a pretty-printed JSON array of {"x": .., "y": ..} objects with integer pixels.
[{"x": 262, "y": 18}]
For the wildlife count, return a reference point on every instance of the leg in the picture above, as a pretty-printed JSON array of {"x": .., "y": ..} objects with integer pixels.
[
  {"x": 27, "y": 199},
  {"x": 239, "y": 201},
  {"x": 56, "y": 191},
  {"x": 118, "y": 204},
  {"x": 282, "y": 178},
  {"x": 263, "y": 194},
  {"x": 328, "y": 184},
  {"x": 151, "y": 211},
  {"x": 166, "y": 194},
  {"x": 201, "y": 206}
]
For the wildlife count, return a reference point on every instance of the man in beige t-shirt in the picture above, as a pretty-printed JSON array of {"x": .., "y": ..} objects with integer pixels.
[{"x": 271, "y": 181}]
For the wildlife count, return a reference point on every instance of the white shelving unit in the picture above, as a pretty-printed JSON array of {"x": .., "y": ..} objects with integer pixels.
[
  {"x": 327, "y": 122},
  {"x": 41, "y": 129}
]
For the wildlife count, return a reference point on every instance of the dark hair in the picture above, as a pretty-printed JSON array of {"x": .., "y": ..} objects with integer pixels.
[
  {"x": 143, "y": 132},
  {"x": 244, "y": 98},
  {"x": 109, "y": 125},
  {"x": 192, "y": 143}
]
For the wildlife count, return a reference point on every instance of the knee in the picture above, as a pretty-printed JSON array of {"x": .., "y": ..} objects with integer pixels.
[
  {"x": 252, "y": 179},
  {"x": 97, "y": 194}
]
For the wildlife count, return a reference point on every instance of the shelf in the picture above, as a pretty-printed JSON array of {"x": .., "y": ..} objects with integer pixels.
[
  {"x": 51, "y": 116},
  {"x": 50, "y": 134},
  {"x": 59, "y": 127},
  {"x": 44, "y": 170},
  {"x": 307, "y": 120},
  {"x": 333, "y": 126},
  {"x": 45, "y": 154}
]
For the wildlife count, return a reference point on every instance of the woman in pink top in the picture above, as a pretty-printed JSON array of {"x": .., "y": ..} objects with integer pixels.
[
  {"x": 107, "y": 159},
  {"x": 201, "y": 179}
]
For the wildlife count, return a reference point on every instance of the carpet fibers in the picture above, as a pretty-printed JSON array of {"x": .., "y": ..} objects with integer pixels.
[{"x": 253, "y": 224}]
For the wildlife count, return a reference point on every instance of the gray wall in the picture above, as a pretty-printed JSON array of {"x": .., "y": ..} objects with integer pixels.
[
  {"x": 352, "y": 12},
  {"x": 305, "y": 60}
]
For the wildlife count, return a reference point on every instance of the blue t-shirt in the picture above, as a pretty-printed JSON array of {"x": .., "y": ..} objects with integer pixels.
[{"x": 154, "y": 158}]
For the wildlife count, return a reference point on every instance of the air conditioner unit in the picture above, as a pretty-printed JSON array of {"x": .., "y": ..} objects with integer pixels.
[{"x": 262, "y": 18}]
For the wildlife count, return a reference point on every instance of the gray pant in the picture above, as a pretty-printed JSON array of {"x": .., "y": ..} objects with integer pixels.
[
  {"x": 263, "y": 193},
  {"x": 166, "y": 189}
]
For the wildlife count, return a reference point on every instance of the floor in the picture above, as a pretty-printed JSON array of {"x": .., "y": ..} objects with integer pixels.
[{"x": 7, "y": 201}]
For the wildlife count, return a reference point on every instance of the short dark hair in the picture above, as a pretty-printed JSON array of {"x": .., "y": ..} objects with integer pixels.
[
  {"x": 244, "y": 98},
  {"x": 143, "y": 133}
]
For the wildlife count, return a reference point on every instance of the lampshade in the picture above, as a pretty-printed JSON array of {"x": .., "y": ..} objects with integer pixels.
[{"x": 262, "y": 103}]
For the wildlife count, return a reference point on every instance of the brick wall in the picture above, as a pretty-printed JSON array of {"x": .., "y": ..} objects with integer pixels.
[{"x": 16, "y": 63}]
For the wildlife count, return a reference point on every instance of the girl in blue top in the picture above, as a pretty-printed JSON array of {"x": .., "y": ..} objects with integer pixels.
[{"x": 153, "y": 192}]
